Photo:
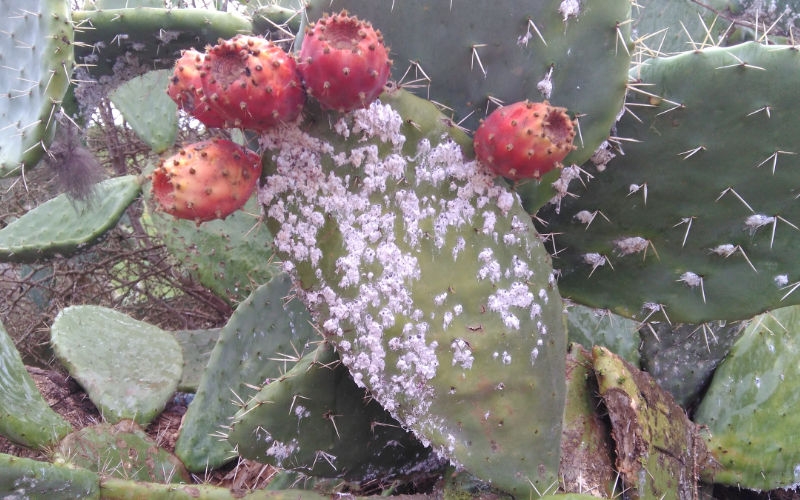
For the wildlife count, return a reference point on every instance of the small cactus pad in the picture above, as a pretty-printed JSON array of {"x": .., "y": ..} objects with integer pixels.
[
  {"x": 36, "y": 60},
  {"x": 230, "y": 256},
  {"x": 750, "y": 407},
  {"x": 343, "y": 62},
  {"x": 524, "y": 140},
  {"x": 260, "y": 342},
  {"x": 148, "y": 111},
  {"x": 429, "y": 280},
  {"x": 128, "y": 368},
  {"x": 682, "y": 358},
  {"x": 121, "y": 450},
  {"x": 196, "y": 346},
  {"x": 154, "y": 35},
  {"x": 28, "y": 478},
  {"x": 314, "y": 419},
  {"x": 590, "y": 327},
  {"x": 689, "y": 224},
  {"x": 63, "y": 226},
  {"x": 206, "y": 180},
  {"x": 659, "y": 451},
  {"x": 25, "y": 417}
]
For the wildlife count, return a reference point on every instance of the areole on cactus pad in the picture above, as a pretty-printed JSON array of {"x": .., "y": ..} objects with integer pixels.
[{"x": 206, "y": 180}]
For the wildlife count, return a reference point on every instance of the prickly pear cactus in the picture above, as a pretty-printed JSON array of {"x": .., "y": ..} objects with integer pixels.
[
  {"x": 62, "y": 226},
  {"x": 750, "y": 407},
  {"x": 309, "y": 419},
  {"x": 121, "y": 450},
  {"x": 259, "y": 343},
  {"x": 155, "y": 36},
  {"x": 25, "y": 417},
  {"x": 98, "y": 347},
  {"x": 36, "y": 60},
  {"x": 156, "y": 123},
  {"x": 675, "y": 228},
  {"x": 470, "y": 55},
  {"x": 430, "y": 281},
  {"x": 27, "y": 478}
]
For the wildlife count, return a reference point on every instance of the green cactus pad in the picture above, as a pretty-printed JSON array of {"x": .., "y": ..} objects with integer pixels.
[
  {"x": 36, "y": 60},
  {"x": 690, "y": 224},
  {"x": 128, "y": 368},
  {"x": 505, "y": 50},
  {"x": 314, "y": 419},
  {"x": 231, "y": 256},
  {"x": 265, "y": 336},
  {"x": 750, "y": 407},
  {"x": 428, "y": 278},
  {"x": 120, "y": 489},
  {"x": 26, "y": 478},
  {"x": 122, "y": 450},
  {"x": 63, "y": 226},
  {"x": 153, "y": 35},
  {"x": 590, "y": 327},
  {"x": 659, "y": 451},
  {"x": 673, "y": 26},
  {"x": 682, "y": 358},
  {"x": 196, "y": 346},
  {"x": 586, "y": 447},
  {"x": 25, "y": 417},
  {"x": 148, "y": 109}
]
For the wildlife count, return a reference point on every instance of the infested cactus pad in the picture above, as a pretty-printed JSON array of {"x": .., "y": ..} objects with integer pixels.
[{"x": 430, "y": 281}]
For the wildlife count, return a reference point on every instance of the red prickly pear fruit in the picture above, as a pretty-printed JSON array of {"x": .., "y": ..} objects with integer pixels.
[
  {"x": 343, "y": 62},
  {"x": 524, "y": 140},
  {"x": 207, "y": 180},
  {"x": 186, "y": 89},
  {"x": 252, "y": 83}
]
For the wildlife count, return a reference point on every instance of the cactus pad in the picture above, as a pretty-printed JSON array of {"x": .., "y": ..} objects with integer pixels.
[
  {"x": 155, "y": 122},
  {"x": 675, "y": 228},
  {"x": 128, "y": 368},
  {"x": 122, "y": 450},
  {"x": 63, "y": 226},
  {"x": 27, "y": 478},
  {"x": 310, "y": 418},
  {"x": 259, "y": 343},
  {"x": 36, "y": 59},
  {"x": 659, "y": 451},
  {"x": 468, "y": 55},
  {"x": 750, "y": 407},
  {"x": 25, "y": 417},
  {"x": 428, "y": 278}
]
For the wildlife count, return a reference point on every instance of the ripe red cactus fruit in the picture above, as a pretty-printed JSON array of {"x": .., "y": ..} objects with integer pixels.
[
  {"x": 252, "y": 83},
  {"x": 186, "y": 89},
  {"x": 207, "y": 180},
  {"x": 343, "y": 62},
  {"x": 524, "y": 140}
]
